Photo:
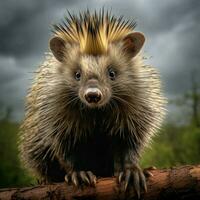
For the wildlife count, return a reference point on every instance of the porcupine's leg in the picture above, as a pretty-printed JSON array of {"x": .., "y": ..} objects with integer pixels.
[
  {"x": 131, "y": 175},
  {"x": 38, "y": 158},
  {"x": 49, "y": 170}
]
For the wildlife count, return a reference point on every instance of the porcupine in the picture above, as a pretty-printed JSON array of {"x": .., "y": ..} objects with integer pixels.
[{"x": 94, "y": 104}]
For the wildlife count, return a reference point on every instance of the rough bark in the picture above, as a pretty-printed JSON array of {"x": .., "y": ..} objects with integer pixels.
[{"x": 174, "y": 183}]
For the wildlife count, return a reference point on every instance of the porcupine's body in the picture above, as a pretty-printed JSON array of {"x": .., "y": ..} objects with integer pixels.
[{"x": 94, "y": 105}]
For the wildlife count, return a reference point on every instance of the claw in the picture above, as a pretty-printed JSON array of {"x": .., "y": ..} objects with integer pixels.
[
  {"x": 75, "y": 179},
  {"x": 147, "y": 172},
  {"x": 84, "y": 177},
  {"x": 136, "y": 183},
  {"x": 127, "y": 178},
  {"x": 92, "y": 178},
  {"x": 120, "y": 177},
  {"x": 67, "y": 178},
  {"x": 143, "y": 181}
]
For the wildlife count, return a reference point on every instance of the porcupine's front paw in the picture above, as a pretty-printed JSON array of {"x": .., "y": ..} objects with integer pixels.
[
  {"x": 132, "y": 177},
  {"x": 79, "y": 178}
]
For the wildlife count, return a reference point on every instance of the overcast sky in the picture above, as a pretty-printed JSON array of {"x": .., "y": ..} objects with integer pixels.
[{"x": 172, "y": 29}]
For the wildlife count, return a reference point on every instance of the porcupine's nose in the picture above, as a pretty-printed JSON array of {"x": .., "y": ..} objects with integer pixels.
[{"x": 93, "y": 95}]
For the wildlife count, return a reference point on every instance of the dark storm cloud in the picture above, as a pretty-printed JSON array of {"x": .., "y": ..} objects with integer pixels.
[
  {"x": 176, "y": 49},
  {"x": 171, "y": 27},
  {"x": 24, "y": 34},
  {"x": 10, "y": 72},
  {"x": 161, "y": 16},
  {"x": 16, "y": 22},
  {"x": 24, "y": 25}
]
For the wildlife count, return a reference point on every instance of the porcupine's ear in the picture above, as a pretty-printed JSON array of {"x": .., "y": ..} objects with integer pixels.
[
  {"x": 132, "y": 43},
  {"x": 57, "y": 46}
]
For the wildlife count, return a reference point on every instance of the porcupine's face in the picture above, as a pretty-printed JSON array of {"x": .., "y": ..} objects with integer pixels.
[{"x": 93, "y": 78}]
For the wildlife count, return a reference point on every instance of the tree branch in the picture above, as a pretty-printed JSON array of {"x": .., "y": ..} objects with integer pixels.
[{"x": 174, "y": 183}]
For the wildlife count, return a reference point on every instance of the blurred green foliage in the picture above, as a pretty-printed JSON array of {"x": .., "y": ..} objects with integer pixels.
[
  {"x": 11, "y": 173},
  {"x": 174, "y": 145}
]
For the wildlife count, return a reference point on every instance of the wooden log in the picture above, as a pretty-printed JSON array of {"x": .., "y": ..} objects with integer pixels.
[{"x": 174, "y": 183}]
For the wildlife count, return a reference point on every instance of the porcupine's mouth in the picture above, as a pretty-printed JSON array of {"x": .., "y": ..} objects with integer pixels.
[{"x": 95, "y": 105}]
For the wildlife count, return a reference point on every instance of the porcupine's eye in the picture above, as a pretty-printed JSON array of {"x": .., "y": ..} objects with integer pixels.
[
  {"x": 78, "y": 75},
  {"x": 112, "y": 74}
]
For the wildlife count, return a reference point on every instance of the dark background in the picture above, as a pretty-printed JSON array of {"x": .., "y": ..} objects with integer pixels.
[{"x": 172, "y": 30}]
